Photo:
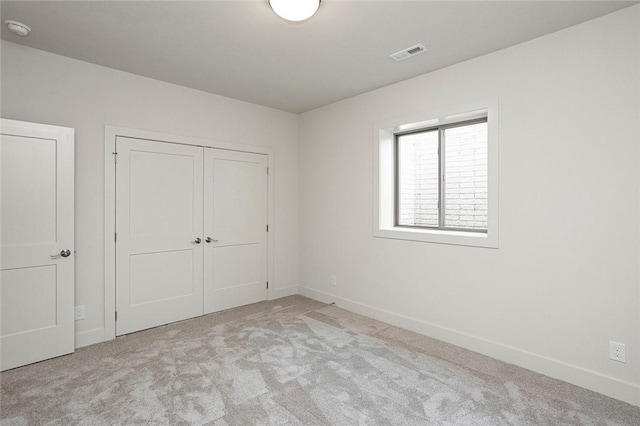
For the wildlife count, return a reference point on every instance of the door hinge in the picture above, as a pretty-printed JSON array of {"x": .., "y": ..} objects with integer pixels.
[
  {"x": 115, "y": 157},
  {"x": 267, "y": 170},
  {"x": 116, "y": 315},
  {"x": 115, "y": 237},
  {"x": 267, "y": 285},
  {"x": 267, "y": 228}
]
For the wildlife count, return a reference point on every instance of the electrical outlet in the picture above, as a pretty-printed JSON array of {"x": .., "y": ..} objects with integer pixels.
[
  {"x": 334, "y": 281},
  {"x": 617, "y": 352},
  {"x": 79, "y": 312}
]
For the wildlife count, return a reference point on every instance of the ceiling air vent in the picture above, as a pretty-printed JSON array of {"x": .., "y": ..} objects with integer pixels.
[{"x": 408, "y": 52}]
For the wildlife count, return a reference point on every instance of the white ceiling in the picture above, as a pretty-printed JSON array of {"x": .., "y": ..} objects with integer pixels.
[{"x": 242, "y": 50}]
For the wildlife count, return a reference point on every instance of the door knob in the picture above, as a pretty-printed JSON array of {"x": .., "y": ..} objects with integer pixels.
[
  {"x": 209, "y": 239},
  {"x": 63, "y": 253},
  {"x": 197, "y": 241}
]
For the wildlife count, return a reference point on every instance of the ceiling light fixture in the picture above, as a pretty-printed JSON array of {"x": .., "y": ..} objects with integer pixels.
[
  {"x": 295, "y": 10},
  {"x": 18, "y": 28}
]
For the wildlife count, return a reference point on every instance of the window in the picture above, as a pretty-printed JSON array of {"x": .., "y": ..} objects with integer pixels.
[
  {"x": 436, "y": 176},
  {"x": 441, "y": 177}
]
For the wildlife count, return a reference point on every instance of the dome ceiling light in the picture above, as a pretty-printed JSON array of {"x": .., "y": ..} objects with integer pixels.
[
  {"x": 18, "y": 28},
  {"x": 295, "y": 10}
]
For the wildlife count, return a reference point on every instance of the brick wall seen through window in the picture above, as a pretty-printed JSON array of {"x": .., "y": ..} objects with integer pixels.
[{"x": 449, "y": 192}]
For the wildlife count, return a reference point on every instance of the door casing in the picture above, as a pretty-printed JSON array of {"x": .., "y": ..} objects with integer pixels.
[{"x": 111, "y": 135}]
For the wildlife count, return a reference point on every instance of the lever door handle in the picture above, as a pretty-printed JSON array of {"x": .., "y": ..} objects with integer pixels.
[
  {"x": 63, "y": 253},
  {"x": 197, "y": 241},
  {"x": 209, "y": 239}
]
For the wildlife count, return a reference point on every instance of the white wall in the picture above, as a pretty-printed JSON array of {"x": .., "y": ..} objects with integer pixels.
[
  {"x": 565, "y": 278},
  {"x": 45, "y": 88}
]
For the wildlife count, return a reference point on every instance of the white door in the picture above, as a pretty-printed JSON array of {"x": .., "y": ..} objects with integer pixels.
[
  {"x": 159, "y": 251},
  {"x": 235, "y": 221},
  {"x": 37, "y": 250}
]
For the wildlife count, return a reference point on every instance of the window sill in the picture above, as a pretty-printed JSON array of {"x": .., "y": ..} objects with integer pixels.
[{"x": 472, "y": 239}]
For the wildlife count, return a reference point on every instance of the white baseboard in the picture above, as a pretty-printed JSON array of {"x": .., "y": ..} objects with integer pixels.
[
  {"x": 277, "y": 293},
  {"x": 606, "y": 385},
  {"x": 320, "y": 296},
  {"x": 97, "y": 335},
  {"x": 90, "y": 337}
]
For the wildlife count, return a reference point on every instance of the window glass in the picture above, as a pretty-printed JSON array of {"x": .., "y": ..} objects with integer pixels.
[
  {"x": 418, "y": 171},
  {"x": 465, "y": 182},
  {"x": 442, "y": 177}
]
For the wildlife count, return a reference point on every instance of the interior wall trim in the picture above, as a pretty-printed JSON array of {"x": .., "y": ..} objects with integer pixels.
[
  {"x": 278, "y": 293},
  {"x": 89, "y": 337},
  {"x": 589, "y": 379}
]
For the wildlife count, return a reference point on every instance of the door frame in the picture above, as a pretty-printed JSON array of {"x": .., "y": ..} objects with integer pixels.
[{"x": 111, "y": 133}]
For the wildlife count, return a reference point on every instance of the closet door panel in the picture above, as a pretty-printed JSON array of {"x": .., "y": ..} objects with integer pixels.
[
  {"x": 159, "y": 209},
  {"x": 235, "y": 191}
]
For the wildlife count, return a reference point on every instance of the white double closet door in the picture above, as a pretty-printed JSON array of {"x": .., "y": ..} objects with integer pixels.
[{"x": 191, "y": 231}]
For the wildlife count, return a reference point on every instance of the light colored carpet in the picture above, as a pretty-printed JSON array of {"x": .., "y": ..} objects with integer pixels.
[{"x": 292, "y": 361}]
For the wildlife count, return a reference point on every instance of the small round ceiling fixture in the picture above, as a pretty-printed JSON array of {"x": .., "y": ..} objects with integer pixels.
[
  {"x": 18, "y": 28},
  {"x": 295, "y": 10}
]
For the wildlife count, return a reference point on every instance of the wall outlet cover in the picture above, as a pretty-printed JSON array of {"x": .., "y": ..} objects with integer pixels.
[
  {"x": 617, "y": 352},
  {"x": 79, "y": 312}
]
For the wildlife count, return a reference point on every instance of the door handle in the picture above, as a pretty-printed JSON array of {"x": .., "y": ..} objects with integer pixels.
[
  {"x": 209, "y": 239},
  {"x": 63, "y": 253},
  {"x": 197, "y": 241}
]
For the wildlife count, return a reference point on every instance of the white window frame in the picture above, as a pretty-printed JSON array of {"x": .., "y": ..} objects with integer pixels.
[{"x": 384, "y": 174}]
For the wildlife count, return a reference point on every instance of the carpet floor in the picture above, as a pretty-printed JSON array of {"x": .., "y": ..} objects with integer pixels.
[{"x": 291, "y": 361}]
